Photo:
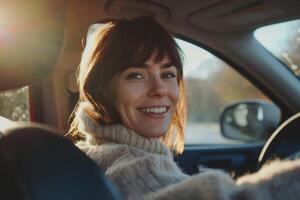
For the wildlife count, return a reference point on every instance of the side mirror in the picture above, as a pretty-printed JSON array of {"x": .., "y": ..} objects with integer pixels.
[{"x": 250, "y": 121}]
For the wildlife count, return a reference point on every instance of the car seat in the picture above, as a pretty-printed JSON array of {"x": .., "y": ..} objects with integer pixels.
[{"x": 36, "y": 163}]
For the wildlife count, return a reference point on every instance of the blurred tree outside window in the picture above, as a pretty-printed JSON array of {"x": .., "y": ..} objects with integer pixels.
[
  {"x": 211, "y": 84},
  {"x": 14, "y": 104},
  {"x": 283, "y": 41}
]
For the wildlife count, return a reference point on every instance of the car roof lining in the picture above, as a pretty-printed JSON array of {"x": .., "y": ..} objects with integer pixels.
[{"x": 217, "y": 16}]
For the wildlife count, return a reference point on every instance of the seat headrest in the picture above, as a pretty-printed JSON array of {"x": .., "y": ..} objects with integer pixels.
[{"x": 37, "y": 163}]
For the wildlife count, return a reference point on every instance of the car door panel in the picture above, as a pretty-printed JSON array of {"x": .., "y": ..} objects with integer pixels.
[{"x": 236, "y": 159}]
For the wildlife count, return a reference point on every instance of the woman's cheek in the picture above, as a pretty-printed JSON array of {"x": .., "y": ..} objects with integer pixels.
[{"x": 174, "y": 92}]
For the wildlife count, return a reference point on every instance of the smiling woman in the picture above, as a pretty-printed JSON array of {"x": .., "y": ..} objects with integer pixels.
[{"x": 147, "y": 63}]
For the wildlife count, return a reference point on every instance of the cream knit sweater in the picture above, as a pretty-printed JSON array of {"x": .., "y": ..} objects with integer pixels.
[{"x": 143, "y": 168}]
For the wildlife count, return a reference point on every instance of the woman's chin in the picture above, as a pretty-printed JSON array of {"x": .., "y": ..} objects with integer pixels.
[{"x": 153, "y": 133}]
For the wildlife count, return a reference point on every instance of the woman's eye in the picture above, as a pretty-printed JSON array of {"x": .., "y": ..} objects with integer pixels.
[
  {"x": 169, "y": 75},
  {"x": 134, "y": 76}
]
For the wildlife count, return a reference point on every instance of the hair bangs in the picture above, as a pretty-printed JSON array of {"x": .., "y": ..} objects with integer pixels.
[
  {"x": 158, "y": 45},
  {"x": 139, "y": 41}
]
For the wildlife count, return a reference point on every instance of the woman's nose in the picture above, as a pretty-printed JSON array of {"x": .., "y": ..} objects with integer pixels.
[{"x": 157, "y": 87}]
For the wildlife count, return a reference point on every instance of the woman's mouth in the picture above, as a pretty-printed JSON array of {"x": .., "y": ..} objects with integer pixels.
[{"x": 154, "y": 111}]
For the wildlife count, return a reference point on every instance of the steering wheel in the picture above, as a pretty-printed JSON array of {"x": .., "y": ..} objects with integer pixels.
[{"x": 284, "y": 141}]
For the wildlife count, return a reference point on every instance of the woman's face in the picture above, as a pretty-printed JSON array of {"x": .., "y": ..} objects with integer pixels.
[{"x": 145, "y": 96}]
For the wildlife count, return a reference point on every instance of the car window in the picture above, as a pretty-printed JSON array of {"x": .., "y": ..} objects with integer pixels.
[
  {"x": 14, "y": 104},
  {"x": 283, "y": 41},
  {"x": 211, "y": 84}
]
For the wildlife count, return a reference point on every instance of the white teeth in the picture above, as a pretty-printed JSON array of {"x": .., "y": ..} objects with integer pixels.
[{"x": 157, "y": 110}]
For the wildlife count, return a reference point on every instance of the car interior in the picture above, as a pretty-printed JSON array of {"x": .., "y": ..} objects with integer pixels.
[{"x": 41, "y": 42}]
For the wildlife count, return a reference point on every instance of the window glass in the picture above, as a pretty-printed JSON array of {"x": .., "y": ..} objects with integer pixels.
[
  {"x": 14, "y": 104},
  {"x": 283, "y": 41},
  {"x": 211, "y": 84}
]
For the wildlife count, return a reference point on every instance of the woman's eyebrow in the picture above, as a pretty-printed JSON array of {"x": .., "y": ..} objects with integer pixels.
[
  {"x": 167, "y": 65},
  {"x": 144, "y": 65}
]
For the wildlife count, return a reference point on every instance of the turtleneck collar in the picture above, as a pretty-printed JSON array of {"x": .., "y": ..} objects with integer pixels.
[{"x": 98, "y": 134}]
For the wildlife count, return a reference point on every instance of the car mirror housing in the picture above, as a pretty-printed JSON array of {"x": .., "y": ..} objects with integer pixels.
[{"x": 249, "y": 121}]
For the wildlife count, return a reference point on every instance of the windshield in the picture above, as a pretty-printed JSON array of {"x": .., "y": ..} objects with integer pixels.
[{"x": 283, "y": 41}]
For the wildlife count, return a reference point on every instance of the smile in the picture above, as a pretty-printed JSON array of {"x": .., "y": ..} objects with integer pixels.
[{"x": 154, "y": 109}]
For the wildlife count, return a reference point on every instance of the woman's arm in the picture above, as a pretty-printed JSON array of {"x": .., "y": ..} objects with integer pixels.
[{"x": 276, "y": 180}]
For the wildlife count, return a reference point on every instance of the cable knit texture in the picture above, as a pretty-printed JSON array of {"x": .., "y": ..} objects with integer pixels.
[{"x": 143, "y": 168}]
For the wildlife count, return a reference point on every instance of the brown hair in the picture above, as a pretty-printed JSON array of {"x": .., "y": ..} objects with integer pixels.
[{"x": 112, "y": 49}]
